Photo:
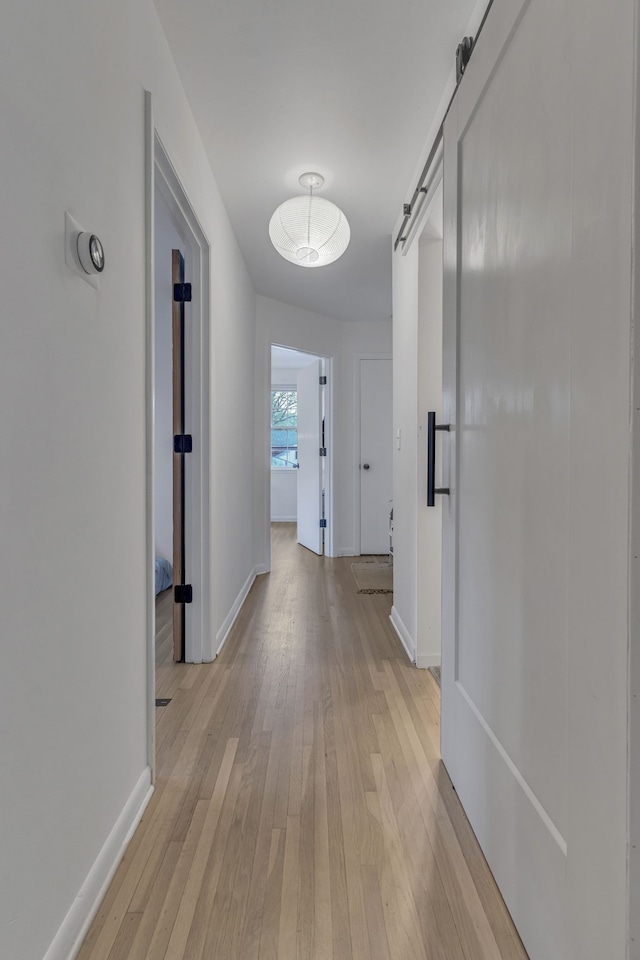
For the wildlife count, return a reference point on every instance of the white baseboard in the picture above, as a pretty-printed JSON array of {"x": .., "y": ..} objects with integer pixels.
[
  {"x": 347, "y": 552},
  {"x": 284, "y": 519},
  {"x": 230, "y": 619},
  {"x": 261, "y": 568},
  {"x": 426, "y": 660},
  {"x": 405, "y": 637},
  {"x": 68, "y": 940}
]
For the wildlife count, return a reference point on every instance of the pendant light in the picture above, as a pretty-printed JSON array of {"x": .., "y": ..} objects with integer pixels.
[{"x": 308, "y": 230}]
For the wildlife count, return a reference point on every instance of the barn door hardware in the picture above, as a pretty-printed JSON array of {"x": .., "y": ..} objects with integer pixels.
[
  {"x": 463, "y": 55},
  {"x": 432, "y": 426}
]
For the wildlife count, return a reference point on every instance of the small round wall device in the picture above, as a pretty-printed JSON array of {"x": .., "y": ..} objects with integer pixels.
[{"x": 90, "y": 253}]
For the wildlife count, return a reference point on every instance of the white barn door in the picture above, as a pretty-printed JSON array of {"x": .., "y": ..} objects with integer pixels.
[
  {"x": 519, "y": 392},
  {"x": 504, "y": 657}
]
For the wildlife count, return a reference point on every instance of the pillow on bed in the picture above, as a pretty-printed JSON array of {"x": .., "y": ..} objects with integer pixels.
[{"x": 164, "y": 574}]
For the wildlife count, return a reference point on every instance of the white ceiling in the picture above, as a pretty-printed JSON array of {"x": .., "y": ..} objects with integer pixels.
[
  {"x": 284, "y": 359},
  {"x": 347, "y": 88}
]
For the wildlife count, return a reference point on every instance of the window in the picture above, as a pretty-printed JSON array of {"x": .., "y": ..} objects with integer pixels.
[{"x": 284, "y": 428}]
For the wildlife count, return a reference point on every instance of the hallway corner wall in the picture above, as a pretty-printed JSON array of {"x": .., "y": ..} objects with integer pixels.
[{"x": 73, "y": 691}]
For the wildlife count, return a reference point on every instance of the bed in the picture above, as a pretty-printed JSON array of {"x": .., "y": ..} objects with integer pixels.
[{"x": 164, "y": 574}]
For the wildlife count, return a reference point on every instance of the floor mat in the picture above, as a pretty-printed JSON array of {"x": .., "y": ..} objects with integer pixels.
[{"x": 373, "y": 576}]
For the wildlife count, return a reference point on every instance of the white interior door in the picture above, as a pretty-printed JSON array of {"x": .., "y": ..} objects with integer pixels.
[
  {"x": 309, "y": 459},
  {"x": 507, "y": 387},
  {"x": 376, "y": 453}
]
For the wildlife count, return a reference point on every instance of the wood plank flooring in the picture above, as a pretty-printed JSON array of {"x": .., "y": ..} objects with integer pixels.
[{"x": 301, "y": 810}]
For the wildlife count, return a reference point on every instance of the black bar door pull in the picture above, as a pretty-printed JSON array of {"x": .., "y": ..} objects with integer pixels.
[{"x": 432, "y": 426}]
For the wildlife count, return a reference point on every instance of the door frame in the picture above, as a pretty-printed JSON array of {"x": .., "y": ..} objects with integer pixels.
[
  {"x": 312, "y": 472},
  {"x": 161, "y": 176},
  {"x": 357, "y": 525},
  {"x": 329, "y": 434}
]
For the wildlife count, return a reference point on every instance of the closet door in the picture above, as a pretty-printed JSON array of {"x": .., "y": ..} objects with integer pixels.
[
  {"x": 538, "y": 194},
  {"x": 506, "y": 394}
]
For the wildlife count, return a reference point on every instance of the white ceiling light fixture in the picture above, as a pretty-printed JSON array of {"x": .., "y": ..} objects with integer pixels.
[{"x": 309, "y": 231}]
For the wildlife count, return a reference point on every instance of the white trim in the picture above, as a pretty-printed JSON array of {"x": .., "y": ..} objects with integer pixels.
[
  {"x": 230, "y": 619},
  {"x": 404, "y": 635},
  {"x": 150, "y": 312},
  {"x": 261, "y": 569},
  {"x": 426, "y": 660},
  {"x": 68, "y": 940},
  {"x": 515, "y": 773},
  {"x": 283, "y": 519},
  {"x": 347, "y": 552}
]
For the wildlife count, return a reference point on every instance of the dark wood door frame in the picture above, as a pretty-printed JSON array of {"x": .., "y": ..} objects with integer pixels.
[{"x": 179, "y": 572}]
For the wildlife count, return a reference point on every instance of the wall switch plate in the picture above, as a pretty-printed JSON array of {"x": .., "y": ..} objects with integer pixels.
[{"x": 71, "y": 230}]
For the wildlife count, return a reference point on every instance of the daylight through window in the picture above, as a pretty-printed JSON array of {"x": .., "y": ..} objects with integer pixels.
[{"x": 284, "y": 428}]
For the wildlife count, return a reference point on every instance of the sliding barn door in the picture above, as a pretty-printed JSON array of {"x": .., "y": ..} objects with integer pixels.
[
  {"x": 506, "y": 394},
  {"x": 538, "y": 193}
]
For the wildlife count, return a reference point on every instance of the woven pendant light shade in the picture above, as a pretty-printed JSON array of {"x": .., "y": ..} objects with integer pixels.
[{"x": 309, "y": 231}]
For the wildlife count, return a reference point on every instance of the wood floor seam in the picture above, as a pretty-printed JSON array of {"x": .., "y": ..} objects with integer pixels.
[{"x": 301, "y": 810}]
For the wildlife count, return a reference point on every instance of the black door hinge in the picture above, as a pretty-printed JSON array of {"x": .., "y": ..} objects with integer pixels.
[
  {"x": 183, "y": 593},
  {"x": 182, "y": 293},
  {"x": 183, "y": 443},
  {"x": 322, "y": 381},
  {"x": 323, "y": 451},
  {"x": 323, "y": 523}
]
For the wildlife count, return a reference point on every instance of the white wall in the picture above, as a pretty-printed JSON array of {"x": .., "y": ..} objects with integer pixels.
[
  {"x": 404, "y": 614},
  {"x": 633, "y": 907},
  {"x": 284, "y": 496},
  {"x": 285, "y": 376},
  {"x": 284, "y": 482},
  {"x": 429, "y": 519},
  {"x": 72, "y": 376},
  {"x": 167, "y": 238},
  {"x": 343, "y": 342}
]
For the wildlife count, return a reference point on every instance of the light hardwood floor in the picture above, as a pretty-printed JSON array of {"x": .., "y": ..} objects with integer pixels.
[{"x": 301, "y": 810}]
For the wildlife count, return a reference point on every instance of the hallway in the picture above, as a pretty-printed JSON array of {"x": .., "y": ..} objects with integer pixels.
[{"x": 301, "y": 810}]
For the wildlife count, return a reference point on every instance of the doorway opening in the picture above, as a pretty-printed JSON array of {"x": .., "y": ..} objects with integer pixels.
[
  {"x": 300, "y": 455},
  {"x": 177, "y": 424}
]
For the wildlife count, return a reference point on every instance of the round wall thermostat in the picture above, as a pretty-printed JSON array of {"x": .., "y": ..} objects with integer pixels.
[{"x": 90, "y": 253}]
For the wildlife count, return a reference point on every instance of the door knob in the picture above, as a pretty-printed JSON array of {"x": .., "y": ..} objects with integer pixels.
[{"x": 365, "y": 466}]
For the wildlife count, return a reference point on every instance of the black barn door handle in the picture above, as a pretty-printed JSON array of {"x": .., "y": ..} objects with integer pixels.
[{"x": 432, "y": 426}]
